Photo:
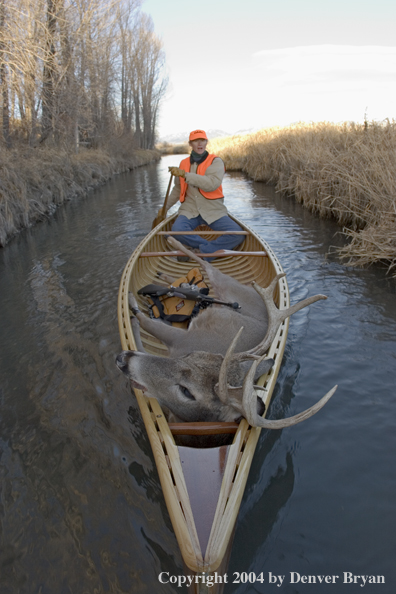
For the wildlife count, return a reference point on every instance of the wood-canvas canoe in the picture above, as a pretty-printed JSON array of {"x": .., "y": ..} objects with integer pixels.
[{"x": 202, "y": 487}]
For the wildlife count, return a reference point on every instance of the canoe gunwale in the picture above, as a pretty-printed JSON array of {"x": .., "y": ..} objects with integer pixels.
[{"x": 163, "y": 444}]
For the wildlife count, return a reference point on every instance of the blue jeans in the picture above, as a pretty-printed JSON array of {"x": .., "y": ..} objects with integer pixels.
[{"x": 222, "y": 242}]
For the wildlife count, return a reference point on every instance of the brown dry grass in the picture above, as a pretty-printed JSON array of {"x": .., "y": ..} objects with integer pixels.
[
  {"x": 344, "y": 171},
  {"x": 34, "y": 182}
]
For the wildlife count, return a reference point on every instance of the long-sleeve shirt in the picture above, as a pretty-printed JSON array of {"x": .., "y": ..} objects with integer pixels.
[{"x": 195, "y": 204}]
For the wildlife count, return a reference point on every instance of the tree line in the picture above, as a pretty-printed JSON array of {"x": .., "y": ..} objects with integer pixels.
[{"x": 76, "y": 72}]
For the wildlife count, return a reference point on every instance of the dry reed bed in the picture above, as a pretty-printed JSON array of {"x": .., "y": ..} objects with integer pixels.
[
  {"x": 34, "y": 182},
  {"x": 344, "y": 171},
  {"x": 173, "y": 149}
]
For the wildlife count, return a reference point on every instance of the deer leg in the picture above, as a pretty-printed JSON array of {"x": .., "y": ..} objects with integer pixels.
[{"x": 136, "y": 334}]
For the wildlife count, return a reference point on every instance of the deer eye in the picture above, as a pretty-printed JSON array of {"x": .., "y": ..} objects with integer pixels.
[{"x": 186, "y": 392}]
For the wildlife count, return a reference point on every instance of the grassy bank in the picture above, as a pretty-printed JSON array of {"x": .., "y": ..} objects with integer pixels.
[
  {"x": 173, "y": 149},
  {"x": 343, "y": 171},
  {"x": 34, "y": 182}
]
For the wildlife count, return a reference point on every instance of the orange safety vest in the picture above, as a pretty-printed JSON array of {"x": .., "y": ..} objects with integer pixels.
[{"x": 202, "y": 167}]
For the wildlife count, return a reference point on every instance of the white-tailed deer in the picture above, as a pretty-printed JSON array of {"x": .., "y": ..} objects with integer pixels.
[{"x": 212, "y": 366}]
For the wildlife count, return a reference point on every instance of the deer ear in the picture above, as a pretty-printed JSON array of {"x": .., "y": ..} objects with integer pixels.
[{"x": 263, "y": 368}]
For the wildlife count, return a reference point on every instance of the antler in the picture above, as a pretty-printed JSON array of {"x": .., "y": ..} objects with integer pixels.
[
  {"x": 249, "y": 406},
  {"x": 223, "y": 388},
  {"x": 276, "y": 316},
  {"x": 258, "y": 354}
]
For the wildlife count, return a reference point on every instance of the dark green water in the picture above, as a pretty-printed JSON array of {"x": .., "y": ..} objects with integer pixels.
[{"x": 81, "y": 509}]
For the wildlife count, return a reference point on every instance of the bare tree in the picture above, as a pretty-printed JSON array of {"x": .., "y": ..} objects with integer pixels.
[
  {"x": 75, "y": 71},
  {"x": 3, "y": 78},
  {"x": 149, "y": 86}
]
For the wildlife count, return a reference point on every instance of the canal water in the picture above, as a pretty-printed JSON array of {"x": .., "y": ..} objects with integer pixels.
[{"x": 81, "y": 509}]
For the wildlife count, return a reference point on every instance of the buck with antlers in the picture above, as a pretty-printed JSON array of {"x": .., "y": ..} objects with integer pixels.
[{"x": 212, "y": 367}]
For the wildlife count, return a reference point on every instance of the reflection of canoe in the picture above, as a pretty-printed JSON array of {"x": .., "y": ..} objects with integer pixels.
[{"x": 203, "y": 487}]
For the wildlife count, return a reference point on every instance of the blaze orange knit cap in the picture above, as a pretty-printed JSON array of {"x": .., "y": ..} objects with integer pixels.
[{"x": 195, "y": 134}]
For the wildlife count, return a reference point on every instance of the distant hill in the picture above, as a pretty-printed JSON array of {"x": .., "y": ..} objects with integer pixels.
[
  {"x": 245, "y": 131},
  {"x": 181, "y": 137}
]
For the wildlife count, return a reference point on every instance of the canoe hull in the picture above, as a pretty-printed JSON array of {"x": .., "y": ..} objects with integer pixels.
[{"x": 201, "y": 552}]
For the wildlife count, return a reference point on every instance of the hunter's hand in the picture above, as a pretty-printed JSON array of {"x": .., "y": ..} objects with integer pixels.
[{"x": 177, "y": 172}]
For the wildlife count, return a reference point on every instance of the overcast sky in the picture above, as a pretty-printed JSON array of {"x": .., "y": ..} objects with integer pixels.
[{"x": 236, "y": 65}]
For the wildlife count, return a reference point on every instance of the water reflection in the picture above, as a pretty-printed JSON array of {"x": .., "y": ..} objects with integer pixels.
[{"x": 78, "y": 483}]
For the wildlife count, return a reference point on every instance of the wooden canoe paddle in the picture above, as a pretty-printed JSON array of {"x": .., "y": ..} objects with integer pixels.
[{"x": 161, "y": 216}]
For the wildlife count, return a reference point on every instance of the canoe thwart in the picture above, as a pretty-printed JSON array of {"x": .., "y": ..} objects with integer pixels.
[
  {"x": 222, "y": 254},
  {"x": 201, "y": 232}
]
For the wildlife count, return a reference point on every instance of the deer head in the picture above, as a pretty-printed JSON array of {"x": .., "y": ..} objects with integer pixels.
[{"x": 189, "y": 386}]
